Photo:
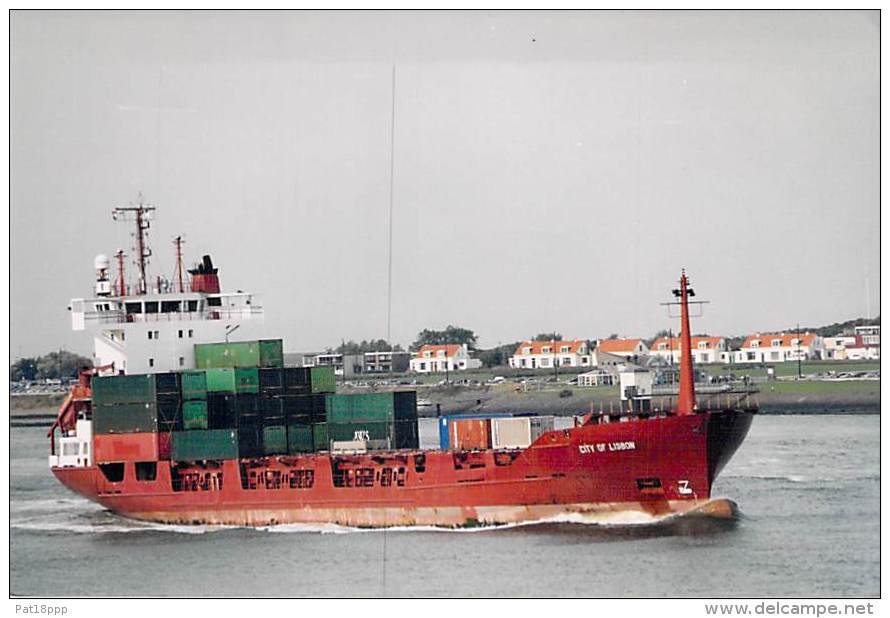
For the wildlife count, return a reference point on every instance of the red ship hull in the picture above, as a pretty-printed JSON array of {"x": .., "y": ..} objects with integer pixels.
[{"x": 656, "y": 466}]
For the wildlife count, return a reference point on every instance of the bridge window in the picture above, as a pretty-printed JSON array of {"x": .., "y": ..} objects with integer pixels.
[
  {"x": 170, "y": 306},
  {"x": 214, "y": 301},
  {"x": 134, "y": 307},
  {"x": 151, "y": 306}
]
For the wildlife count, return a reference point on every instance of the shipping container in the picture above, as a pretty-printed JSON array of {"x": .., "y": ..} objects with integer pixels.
[
  {"x": 194, "y": 415},
  {"x": 428, "y": 433},
  {"x": 167, "y": 384},
  {"x": 169, "y": 411},
  {"x": 306, "y": 380},
  {"x": 383, "y": 434},
  {"x": 271, "y": 380},
  {"x": 199, "y": 444},
  {"x": 125, "y": 447},
  {"x": 444, "y": 428},
  {"x": 221, "y": 411},
  {"x": 250, "y": 441},
  {"x": 299, "y": 439},
  {"x": 269, "y": 406},
  {"x": 271, "y": 353},
  {"x": 193, "y": 384},
  {"x": 246, "y": 404},
  {"x": 518, "y": 432},
  {"x": 247, "y": 380},
  {"x": 220, "y": 380},
  {"x": 125, "y": 418},
  {"x": 467, "y": 434},
  {"x": 227, "y": 354},
  {"x": 136, "y": 388},
  {"x": 323, "y": 380},
  {"x": 275, "y": 440},
  {"x": 312, "y": 406},
  {"x": 372, "y": 407},
  {"x": 320, "y": 436}
]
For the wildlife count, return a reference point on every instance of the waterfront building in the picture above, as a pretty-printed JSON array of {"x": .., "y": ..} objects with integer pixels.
[
  {"x": 705, "y": 350},
  {"x": 781, "y": 347},
  {"x": 547, "y": 354},
  {"x": 441, "y": 358}
]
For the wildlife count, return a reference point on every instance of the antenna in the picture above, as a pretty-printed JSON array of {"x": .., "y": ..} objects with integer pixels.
[
  {"x": 178, "y": 242},
  {"x": 141, "y": 214},
  {"x": 120, "y": 272}
]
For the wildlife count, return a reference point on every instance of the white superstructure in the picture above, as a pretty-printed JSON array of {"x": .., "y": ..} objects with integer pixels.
[{"x": 146, "y": 328}]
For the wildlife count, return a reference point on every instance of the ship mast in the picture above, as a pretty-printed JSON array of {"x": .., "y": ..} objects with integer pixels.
[
  {"x": 178, "y": 241},
  {"x": 686, "y": 399},
  {"x": 141, "y": 214}
]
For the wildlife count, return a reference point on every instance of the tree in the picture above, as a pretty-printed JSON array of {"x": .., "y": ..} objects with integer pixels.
[
  {"x": 451, "y": 335},
  {"x": 497, "y": 356},
  {"x": 374, "y": 345},
  {"x": 55, "y": 365},
  {"x": 548, "y": 337},
  {"x": 24, "y": 369}
]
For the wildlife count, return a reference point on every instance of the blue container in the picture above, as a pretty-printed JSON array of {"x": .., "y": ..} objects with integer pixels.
[{"x": 444, "y": 435}]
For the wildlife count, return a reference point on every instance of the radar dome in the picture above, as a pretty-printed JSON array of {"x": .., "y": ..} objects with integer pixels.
[{"x": 101, "y": 262}]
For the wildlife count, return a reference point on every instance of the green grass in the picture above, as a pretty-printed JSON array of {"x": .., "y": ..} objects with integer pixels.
[
  {"x": 810, "y": 387},
  {"x": 790, "y": 368}
]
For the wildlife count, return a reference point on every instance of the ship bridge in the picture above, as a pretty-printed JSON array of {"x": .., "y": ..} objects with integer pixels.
[{"x": 152, "y": 325}]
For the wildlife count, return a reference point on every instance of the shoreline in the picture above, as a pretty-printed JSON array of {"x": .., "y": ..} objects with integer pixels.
[{"x": 504, "y": 399}]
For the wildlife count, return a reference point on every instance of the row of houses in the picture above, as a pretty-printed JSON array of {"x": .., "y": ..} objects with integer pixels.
[{"x": 863, "y": 344}]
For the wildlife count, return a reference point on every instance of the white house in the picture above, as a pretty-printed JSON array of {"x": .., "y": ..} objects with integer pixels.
[
  {"x": 704, "y": 349},
  {"x": 631, "y": 349},
  {"x": 449, "y": 357},
  {"x": 544, "y": 354},
  {"x": 780, "y": 347},
  {"x": 836, "y": 347}
]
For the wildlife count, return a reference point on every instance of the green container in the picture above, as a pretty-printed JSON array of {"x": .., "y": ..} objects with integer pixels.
[
  {"x": 322, "y": 380},
  {"x": 320, "y": 436},
  {"x": 194, "y": 385},
  {"x": 199, "y": 444},
  {"x": 232, "y": 354},
  {"x": 299, "y": 439},
  {"x": 372, "y": 407},
  {"x": 125, "y": 418},
  {"x": 247, "y": 380},
  {"x": 138, "y": 388},
  {"x": 194, "y": 415},
  {"x": 275, "y": 440},
  {"x": 271, "y": 353},
  {"x": 221, "y": 380}
]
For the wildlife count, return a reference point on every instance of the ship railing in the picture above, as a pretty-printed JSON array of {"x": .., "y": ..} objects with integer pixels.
[
  {"x": 735, "y": 400},
  {"x": 221, "y": 313}
]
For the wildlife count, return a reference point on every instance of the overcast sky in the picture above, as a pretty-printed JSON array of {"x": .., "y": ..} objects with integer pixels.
[{"x": 553, "y": 171}]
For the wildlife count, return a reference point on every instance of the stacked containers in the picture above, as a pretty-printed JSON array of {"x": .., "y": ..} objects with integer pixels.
[
  {"x": 383, "y": 420},
  {"x": 446, "y": 430},
  {"x": 129, "y": 412}
]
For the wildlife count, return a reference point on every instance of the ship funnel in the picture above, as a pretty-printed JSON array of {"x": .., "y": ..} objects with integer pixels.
[{"x": 205, "y": 277}]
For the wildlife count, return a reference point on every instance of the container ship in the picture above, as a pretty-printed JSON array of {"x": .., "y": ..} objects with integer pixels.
[{"x": 190, "y": 416}]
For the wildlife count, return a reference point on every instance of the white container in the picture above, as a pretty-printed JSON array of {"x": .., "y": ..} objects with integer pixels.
[{"x": 518, "y": 432}]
